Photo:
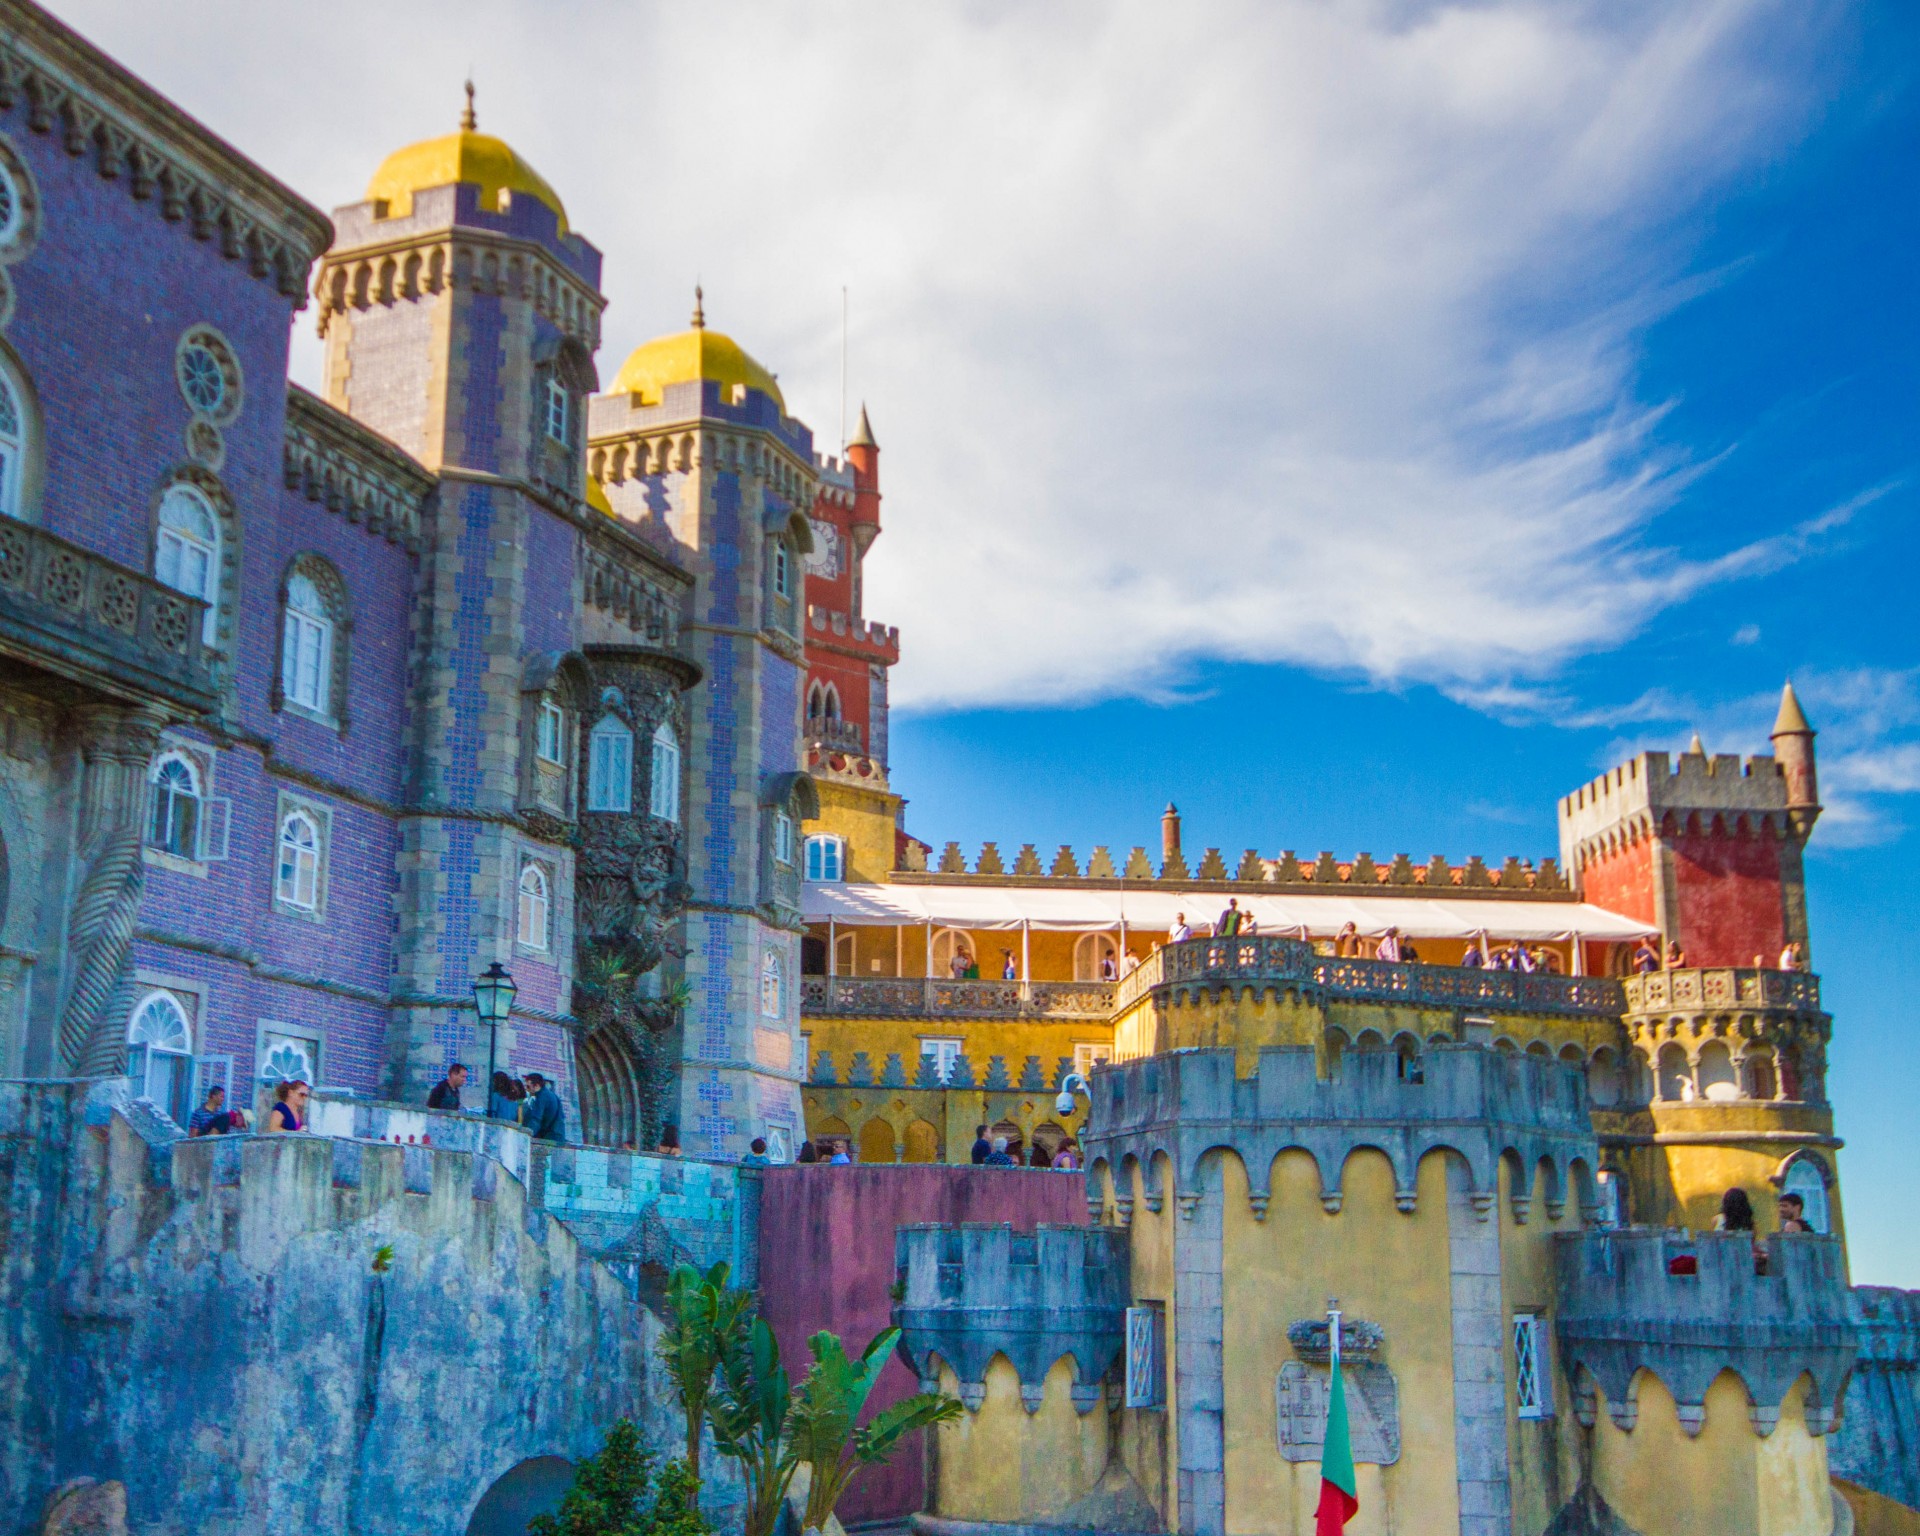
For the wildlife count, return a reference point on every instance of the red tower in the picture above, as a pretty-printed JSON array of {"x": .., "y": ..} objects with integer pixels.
[
  {"x": 1709, "y": 850},
  {"x": 847, "y": 658}
]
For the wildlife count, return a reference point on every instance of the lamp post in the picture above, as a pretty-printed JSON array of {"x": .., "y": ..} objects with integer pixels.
[{"x": 493, "y": 993}]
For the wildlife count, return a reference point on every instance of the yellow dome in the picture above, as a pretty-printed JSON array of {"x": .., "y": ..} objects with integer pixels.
[
  {"x": 477, "y": 158},
  {"x": 695, "y": 354}
]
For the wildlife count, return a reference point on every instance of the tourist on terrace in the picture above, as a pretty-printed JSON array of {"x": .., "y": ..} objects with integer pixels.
[
  {"x": 840, "y": 1153},
  {"x": 446, "y": 1092},
  {"x": 1179, "y": 933},
  {"x": 669, "y": 1140},
  {"x": 1107, "y": 971},
  {"x": 1646, "y": 957},
  {"x": 1473, "y": 960},
  {"x": 1523, "y": 959},
  {"x": 998, "y": 1157},
  {"x": 213, "y": 1118},
  {"x": 1067, "y": 1159},
  {"x": 1791, "y": 959},
  {"x": 1131, "y": 963},
  {"x": 1346, "y": 944},
  {"x": 1230, "y": 920},
  {"x": 1736, "y": 1215},
  {"x": 1009, "y": 967},
  {"x": 1389, "y": 946},
  {"x": 505, "y": 1098},
  {"x": 1793, "y": 1214},
  {"x": 982, "y": 1148},
  {"x": 543, "y": 1116},
  {"x": 1676, "y": 957},
  {"x": 756, "y": 1154},
  {"x": 1249, "y": 924},
  {"x": 289, "y": 1112},
  {"x": 808, "y": 1153}
]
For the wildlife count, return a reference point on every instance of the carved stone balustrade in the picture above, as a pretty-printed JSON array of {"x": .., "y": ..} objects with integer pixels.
[
  {"x": 970, "y": 1292},
  {"x": 1762, "y": 1018},
  {"x": 108, "y": 629},
  {"x": 917, "y": 997},
  {"x": 1689, "y": 1306},
  {"x": 835, "y": 735}
]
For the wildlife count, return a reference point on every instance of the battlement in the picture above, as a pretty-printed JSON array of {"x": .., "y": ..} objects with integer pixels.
[
  {"x": 1360, "y": 875},
  {"x": 1469, "y": 1098},
  {"x": 881, "y": 638},
  {"x": 1688, "y": 1306},
  {"x": 1654, "y": 792},
  {"x": 973, "y": 1291}
]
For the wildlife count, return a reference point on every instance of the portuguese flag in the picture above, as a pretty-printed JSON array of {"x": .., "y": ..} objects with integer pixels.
[{"x": 1339, "y": 1492}]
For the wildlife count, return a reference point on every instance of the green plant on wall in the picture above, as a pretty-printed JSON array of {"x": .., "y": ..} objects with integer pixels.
[
  {"x": 707, "y": 1319},
  {"x": 748, "y": 1411},
  {"x": 616, "y": 1492}
]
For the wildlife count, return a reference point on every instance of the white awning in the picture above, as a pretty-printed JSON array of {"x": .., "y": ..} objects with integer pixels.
[{"x": 1154, "y": 911}]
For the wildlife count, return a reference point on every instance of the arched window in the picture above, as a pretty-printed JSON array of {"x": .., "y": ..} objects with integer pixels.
[
  {"x": 1715, "y": 1075},
  {"x": 666, "y": 773},
  {"x": 824, "y": 861},
  {"x": 173, "y": 822},
  {"x": 1675, "y": 1075},
  {"x": 13, "y": 447},
  {"x": 830, "y": 702},
  {"x": 1096, "y": 957},
  {"x": 536, "y": 906},
  {"x": 773, "y": 986},
  {"x": 1804, "y": 1179},
  {"x": 160, "y": 1053},
  {"x": 297, "y": 883},
  {"x": 187, "y": 552},
  {"x": 306, "y": 647},
  {"x": 610, "y": 766},
  {"x": 953, "y": 953}
]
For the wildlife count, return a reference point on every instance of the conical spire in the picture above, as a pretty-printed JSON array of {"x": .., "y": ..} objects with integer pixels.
[
  {"x": 468, "y": 122},
  {"x": 863, "y": 436},
  {"x": 1696, "y": 748},
  {"x": 699, "y": 309},
  {"x": 1792, "y": 719}
]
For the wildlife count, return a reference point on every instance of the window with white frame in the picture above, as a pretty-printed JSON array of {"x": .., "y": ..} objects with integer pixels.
[
  {"x": 1532, "y": 1366},
  {"x": 559, "y": 412},
  {"x": 536, "y": 906},
  {"x": 13, "y": 446},
  {"x": 773, "y": 986},
  {"x": 289, "y": 1055},
  {"x": 187, "y": 550},
  {"x": 824, "y": 857},
  {"x": 306, "y": 647},
  {"x": 610, "y": 766},
  {"x": 666, "y": 773},
  {"x": 160, "y": 1053},
  {"x": 550, "y": 731},
  {"x": 1087, "y": 1056},
  {"x": 1803, "y": 1179},
  {"x": 943, "y": 1052},
  {"x": 782, "y": 569},
  {"x": 782, "y": 838},
  {"x": 297, "y": 881},
  {"x": 174, "y": 802}
]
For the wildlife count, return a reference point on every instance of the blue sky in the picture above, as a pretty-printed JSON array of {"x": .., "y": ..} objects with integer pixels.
[{"x": 1360, "y": 421}]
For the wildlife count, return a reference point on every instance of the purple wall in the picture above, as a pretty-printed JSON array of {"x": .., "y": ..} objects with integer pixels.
[{"x": 832, "y": 1230}]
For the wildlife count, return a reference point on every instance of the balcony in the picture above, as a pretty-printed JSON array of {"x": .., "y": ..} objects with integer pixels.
[
  {"x": 916, "y": 997},
  {"x": 70, "y": 611},
  {"x": 834, "y": 735},
  {"x": 1290, "y": 963},
  {"x": 1683, "y": 991}
]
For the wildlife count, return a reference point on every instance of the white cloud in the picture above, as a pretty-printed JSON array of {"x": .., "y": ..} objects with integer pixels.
[{"x": 1273, "y": 332}]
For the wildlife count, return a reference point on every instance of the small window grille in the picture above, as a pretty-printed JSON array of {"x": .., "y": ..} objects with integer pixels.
[
  {"x": 1146, "y": 1375},
  {"x": 1532, "y": 1369}
]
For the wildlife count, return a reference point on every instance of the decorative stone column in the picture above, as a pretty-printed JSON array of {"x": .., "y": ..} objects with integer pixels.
[{"x": 116, "y": 745}]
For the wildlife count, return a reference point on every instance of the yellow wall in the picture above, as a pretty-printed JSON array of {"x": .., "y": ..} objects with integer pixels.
[
  {"x": 866, "y": 818},
  {"x": 1876, "y": 1515},
  {"x": 1663, "y": 1482},
  {"x": 1386, "y": 1267},
  {"x": 1543, "y": 1457},
  {"x": 1002, "y": 1463}
]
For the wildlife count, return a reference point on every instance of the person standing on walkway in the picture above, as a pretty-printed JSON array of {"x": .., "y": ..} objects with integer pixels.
[
  {"x": 446, "y": 1092},
  {"x": 544, "y": 1117}
]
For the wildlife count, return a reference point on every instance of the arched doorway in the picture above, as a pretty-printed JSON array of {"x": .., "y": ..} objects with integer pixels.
[
  {"x": 876, "y": 1141},
  {"x": 1094, "y": 954},
  {"x": 607, "y": 1079},
  {"x": 532, "y": 1487}
]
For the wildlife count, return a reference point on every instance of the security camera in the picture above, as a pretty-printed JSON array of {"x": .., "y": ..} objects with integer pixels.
[{"x": 1064, "y": 1104}]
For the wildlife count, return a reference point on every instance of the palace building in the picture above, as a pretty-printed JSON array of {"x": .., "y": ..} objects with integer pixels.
[{"x": 324, "y": 714}]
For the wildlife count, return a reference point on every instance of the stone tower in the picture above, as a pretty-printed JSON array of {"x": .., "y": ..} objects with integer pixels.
[
  {"x": 460, "y": 314},
  {"x": 1709, "y": 850},
  {"x": 692, "y": 448}
]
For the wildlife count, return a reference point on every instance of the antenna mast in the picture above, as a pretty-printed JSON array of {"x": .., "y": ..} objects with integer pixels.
[{"x": 843, "y": 370}]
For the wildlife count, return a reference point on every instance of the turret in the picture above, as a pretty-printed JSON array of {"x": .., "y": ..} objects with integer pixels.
[
  {"x": 1793, "y": 751},
  {"x": 863, "y": 458}
]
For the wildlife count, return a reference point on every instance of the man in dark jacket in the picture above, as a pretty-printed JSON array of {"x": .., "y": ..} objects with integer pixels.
[
  {"x": 545, "y": 1117},
  {"x": 981, "y": 1146},
  {"x": 446, "y": 1092}
]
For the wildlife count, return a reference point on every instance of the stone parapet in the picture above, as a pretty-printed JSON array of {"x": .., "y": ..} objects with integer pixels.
[
  {"x": 111, "y": 630},
  {"x": 1687, "y": 1307},
  {"x": 1251, "y": 871},
  {"x": 973, "y": 1291},
  {"x": 1720, "y": 987},
  {"x": 1769, "y": 1023},
  {"x": 1478, "y": 1102},
  {"x": 915, "y": 997}
]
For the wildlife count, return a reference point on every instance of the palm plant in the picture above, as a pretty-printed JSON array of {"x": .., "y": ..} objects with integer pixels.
[
  {"x": 823, "y": 1423},
  {"x": 709, "y": 1320},
  {"x": 749, "y": 1417}
]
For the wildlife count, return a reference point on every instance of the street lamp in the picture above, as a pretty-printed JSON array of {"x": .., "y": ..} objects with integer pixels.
[{"x": 493, "y": 992}]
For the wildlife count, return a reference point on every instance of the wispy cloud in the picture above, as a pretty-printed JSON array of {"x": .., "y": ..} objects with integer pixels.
[{"x": 1239, "y": 330}]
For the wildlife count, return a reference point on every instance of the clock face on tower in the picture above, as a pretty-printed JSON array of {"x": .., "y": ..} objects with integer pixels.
[{"x": 825, "y": 559}]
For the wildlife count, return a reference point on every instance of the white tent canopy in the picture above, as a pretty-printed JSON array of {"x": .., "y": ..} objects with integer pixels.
[{"x": 1153, "y": 911}]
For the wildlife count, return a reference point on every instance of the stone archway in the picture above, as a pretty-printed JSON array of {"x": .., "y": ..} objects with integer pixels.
[{"x": 528, "y": 1488}]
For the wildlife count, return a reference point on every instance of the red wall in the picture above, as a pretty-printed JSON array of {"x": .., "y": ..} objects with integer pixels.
[
  {"x": 1622, "y": 882},
  {"x": 1729, "y": 898},
  {"x": 826, "y": 1261}
]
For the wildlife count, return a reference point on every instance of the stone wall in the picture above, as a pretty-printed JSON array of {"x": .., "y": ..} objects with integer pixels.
[
  {"x": 209, "y": 1322},
  {"x": 1877, "y": 1442}
]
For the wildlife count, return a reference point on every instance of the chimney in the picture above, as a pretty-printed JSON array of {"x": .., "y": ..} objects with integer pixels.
[{"x": 1170, "y": 834}]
